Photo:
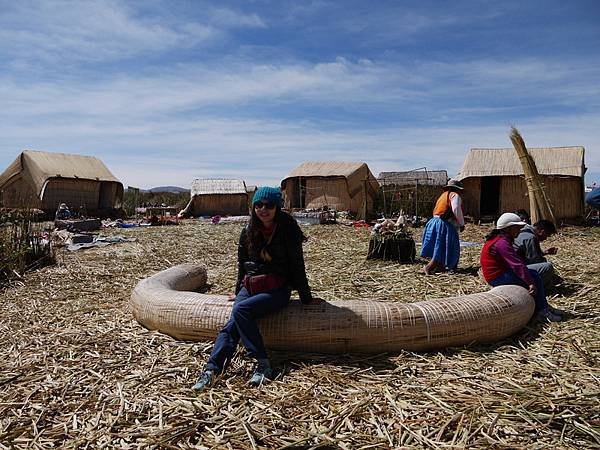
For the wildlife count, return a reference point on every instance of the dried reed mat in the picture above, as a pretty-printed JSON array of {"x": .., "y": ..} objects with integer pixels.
[
  {"x": 162, "y": 302},
  {"x": 77, "y": 371},
  {"x": 538, "y": 203}
]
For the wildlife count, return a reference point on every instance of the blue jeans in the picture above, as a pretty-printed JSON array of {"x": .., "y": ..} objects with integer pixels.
[
  {"x": 509, "y": 277},
  {"x": 242, "y": 325}
]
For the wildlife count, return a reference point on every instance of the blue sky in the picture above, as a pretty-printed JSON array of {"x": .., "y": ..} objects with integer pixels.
[{"x": 168, "y": 91}]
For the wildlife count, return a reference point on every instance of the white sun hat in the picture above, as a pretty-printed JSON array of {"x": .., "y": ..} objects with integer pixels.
[{"x": 507, "y": 220}]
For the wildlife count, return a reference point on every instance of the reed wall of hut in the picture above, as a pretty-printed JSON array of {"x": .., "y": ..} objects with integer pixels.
[
  {"x": 491, "y": 196},
  {"x": 94, "y": 195},
  {"x": 333, "y": 192},
  {"x": 220, "y": 204},
  {"x": 17, "y": 193},
  {"x": 494, "y": 182},
  {"x": 44, "y": 180},
  {"x": 340, "y": 185}
]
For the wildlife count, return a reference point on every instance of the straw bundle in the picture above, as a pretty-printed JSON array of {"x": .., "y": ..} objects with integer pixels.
[
  {"x": 162, "y": 303},
  {"x": 538, "y": 203}
]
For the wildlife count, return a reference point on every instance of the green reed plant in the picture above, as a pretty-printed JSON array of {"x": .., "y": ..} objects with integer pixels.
[{"x": 23, "y": 246}]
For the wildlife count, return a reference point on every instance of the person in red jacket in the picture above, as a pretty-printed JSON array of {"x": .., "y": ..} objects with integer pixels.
[{"x": 501, "y": 265}]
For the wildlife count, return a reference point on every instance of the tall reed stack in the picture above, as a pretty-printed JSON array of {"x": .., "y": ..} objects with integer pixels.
[{"x": 538, "y": 202}]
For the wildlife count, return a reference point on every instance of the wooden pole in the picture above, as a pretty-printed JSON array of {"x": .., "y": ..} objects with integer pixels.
[
  {"x": 416, "y": 197},
  {"x": 365, "y": 198}
]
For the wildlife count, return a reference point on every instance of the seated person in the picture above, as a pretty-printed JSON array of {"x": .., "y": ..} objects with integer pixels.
[
  {"x": 527, "y": 245},
  {"x": 327, "y": 216},
  {"x": 62, "y": 213},
  {"x": 501, "y": 265}
]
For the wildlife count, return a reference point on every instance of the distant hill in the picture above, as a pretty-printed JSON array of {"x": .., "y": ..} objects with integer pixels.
[{"x": 171, "y": 189}]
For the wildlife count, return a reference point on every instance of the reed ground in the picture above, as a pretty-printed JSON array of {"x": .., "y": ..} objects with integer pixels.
[{"x": 78, "y": 372}]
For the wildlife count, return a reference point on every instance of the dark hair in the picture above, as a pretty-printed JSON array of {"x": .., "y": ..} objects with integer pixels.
[
  {"x": 545, "y": 225},
  {"x": 523, "y": 214},
  {"x": 283, "y": 219},
  {"x": 492, "y": 234}
]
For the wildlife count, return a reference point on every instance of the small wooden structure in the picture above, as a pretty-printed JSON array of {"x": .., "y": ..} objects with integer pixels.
[
  {"x": 494, "y": 181},
  {"x": 339, "y": 185},
  {"x": 217, "y": 196},
  {"x": 160, "y": 215},
  {"x": 414, "y": 192}
]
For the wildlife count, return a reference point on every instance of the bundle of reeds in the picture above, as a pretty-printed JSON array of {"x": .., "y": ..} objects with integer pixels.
[{"x": 538, "y": 202}]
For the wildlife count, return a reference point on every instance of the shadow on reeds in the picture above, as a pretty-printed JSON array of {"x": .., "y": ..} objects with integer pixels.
[
  {"x": 565, "y": 289},
  {"x": 471, "y": 270}
]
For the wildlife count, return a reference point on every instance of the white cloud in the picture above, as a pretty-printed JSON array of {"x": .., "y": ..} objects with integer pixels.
[
  {"x": 230, "y": 18},
  {"x": 186, "y": 89},
  {"x": 93, "y": 31}
]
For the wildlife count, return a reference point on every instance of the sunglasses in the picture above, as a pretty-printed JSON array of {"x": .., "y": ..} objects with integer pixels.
[{"x": 261, "y": 205}]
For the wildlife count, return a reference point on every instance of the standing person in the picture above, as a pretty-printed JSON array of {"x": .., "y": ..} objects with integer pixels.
[
  {"x": 270, "y": 265},
  {"x": 440, "y": 236},
  {"x": 501, "y": 265},
  {"x": 527, "y": 245}
]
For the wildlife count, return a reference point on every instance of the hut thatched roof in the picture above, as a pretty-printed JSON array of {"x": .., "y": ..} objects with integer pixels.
[
  {"x": 326, "y": 169},
  {"x": 430, "y": 177},
  {"x": 38, "y": 167},
  {"x": 217, "y": 186},
  {"x": 354, "y": 172},
  {"x": 484, "y": 162}
]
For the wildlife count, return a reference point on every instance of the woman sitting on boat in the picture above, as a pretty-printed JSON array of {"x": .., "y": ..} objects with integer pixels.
[{"x": 270, "y": 265}]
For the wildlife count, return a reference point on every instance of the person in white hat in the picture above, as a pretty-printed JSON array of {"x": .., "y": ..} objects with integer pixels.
[
  {"x": 440, "y": 235},
  {"x": 501, "y": 265}
]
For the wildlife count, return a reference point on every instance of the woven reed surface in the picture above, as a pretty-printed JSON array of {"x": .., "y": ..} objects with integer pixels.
[
  {"x": 162, "y": 303},
  {"x": 78, "y": 371}
]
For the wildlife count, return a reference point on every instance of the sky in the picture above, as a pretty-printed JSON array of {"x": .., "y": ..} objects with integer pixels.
[{"x": 164, "y": 92}]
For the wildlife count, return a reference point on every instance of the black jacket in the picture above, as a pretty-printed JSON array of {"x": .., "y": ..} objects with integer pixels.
[{"x": 286, "y": 254}]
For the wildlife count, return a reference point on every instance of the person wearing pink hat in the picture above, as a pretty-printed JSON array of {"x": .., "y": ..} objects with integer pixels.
[{"x": 501, "y": 265}]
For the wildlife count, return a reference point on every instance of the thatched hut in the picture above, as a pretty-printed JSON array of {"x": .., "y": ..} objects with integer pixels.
[
  {"x": 210, "y": 197},
  {"x": 344, "y": 186},
  {"x": 494, "y": 181},
  {"x": 250, "y": 190},
  {"x": 414, "y": 192},
  {"x": 43, "y": 180}
]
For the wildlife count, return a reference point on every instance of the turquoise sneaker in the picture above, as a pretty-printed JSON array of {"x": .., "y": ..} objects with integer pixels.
[
  {"x": 261, "y": 376},
  {"x": 205, "y": 380}
]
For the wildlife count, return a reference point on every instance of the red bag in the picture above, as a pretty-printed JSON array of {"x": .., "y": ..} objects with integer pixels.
[{"x": 257, "y": 284}]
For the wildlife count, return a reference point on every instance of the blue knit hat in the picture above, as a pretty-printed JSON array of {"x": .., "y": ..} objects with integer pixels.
[{"x": 268, "y": 194}]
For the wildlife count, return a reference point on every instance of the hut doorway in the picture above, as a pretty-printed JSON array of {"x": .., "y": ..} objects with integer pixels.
[
  {"x": 105, "y": 195},
  {"x": 489, "y": 200},
  {"x": 299, "y": 199}
]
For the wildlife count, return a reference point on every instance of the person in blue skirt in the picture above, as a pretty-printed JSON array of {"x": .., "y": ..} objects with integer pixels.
[{"x": 440, "y": 240}]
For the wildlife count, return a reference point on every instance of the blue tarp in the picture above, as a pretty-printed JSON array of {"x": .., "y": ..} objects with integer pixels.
[{"x": 593, "y": 198}]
